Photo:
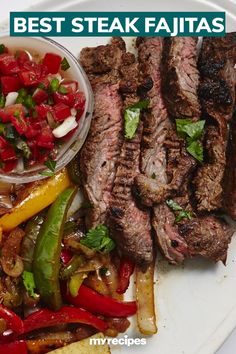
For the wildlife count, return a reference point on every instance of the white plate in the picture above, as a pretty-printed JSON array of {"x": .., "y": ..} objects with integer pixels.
[{"x": 196, "y": 303}]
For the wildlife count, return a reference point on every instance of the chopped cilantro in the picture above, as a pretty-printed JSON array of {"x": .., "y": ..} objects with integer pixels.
[
  {"x": 181, "y": 214},
  {"x": 64, "y": 64},
  {"x": 54, "y": 85},
  {"x": 51, "y": 165},
  {"x": 62, "y": 89},
  {"x": 99, "y": 239}
]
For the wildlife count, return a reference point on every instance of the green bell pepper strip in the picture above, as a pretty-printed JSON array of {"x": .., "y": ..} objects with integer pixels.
[
  {"x": 71, "y": 267},
  {"x": 46, "y": 264},
  {"x": 28, "y": 245}
]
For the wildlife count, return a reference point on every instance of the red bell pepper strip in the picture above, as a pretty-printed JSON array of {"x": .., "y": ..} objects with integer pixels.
[
  {"x": 52, "y": 62},
  {"x": 125, "y": 271},
  {"x": 94, "y": 302},
  {"x": 67, "y": 314},
  {"x": 18, "y": 347},
  {"x": 13, "y": 321}
]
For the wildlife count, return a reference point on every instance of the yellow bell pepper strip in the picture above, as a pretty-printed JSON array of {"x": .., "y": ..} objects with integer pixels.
[
  {"x": 46, "y": 262},
  {"x": 41, "y": 196}
]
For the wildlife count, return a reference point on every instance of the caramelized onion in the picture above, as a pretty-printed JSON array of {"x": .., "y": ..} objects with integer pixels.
[
  {"x": 145, "y": 300},
  {"x": 11, "y": 262}
]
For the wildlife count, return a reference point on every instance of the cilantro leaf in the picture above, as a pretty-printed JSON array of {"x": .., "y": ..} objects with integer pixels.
[
  {"x": 181, "y": 214},
  {"x": 99, "y": 239},
  {"x": 50, "y": 164},
  {"x": 196, "y": 150},
  {"x": 2, "y": 48},
  {"x": 192, "y": 132},
  {"x": 64, "y": 64},
  {"x": 28, "y": 281},
  {"x": 132, "y": 118},
  {"x": 141, "y": 104},
  {"x": 173, "y": 205}
]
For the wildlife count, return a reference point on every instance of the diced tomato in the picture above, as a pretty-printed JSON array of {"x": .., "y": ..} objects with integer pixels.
[
  {"x": 32, "y": 131},
  {"x": 8, "y": 153},
  {"x": 22, "y": 57},
  {"x": 46, "y": 138},
  {"x": 16, "y": 112},
  {"x": 8, "y": 64},
  {"x": 42, "y": 110},
  {"x": 67, "y": 99},
  {"x": 52, "y": 61},
  {"x": 70, "y": 85},
  {"x": 79, "y": 100},
  {"x": 61, "y": 112},
  {"x": 28, "y": 78},
  {"x": 18, "y": 347},
  {"x": 40, "y": 96},
  {"x": 9, "y": 166},
  {"x": 3, "y": 142},
  {"x": 10, "y": 84},
  {"x": 4, "y": 117}
]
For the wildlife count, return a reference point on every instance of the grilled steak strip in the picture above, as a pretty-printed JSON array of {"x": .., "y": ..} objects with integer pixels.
[
  {"x": 229, "y": 200},
  {"x": 129, "y": 225},
  {"x": 181, "y": 77},
  {"x": 100, "y": 152},
  {"x": 217, "y": 96}
]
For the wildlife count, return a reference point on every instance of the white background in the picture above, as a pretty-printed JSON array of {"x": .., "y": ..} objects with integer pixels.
[{"x": 229, "y": 347}]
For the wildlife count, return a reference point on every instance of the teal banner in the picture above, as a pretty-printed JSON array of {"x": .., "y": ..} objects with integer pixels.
[{"x": 117, "y": 24}]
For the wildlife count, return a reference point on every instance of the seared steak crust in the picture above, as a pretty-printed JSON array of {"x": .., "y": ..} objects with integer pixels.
[
  {"x": 229, "y": 198},
  {"x": 181, "y": 77},
  {"x": 217, "y": 96},
  {"x": 208, "y": 237},
  {"x": 217, "y": 85}
]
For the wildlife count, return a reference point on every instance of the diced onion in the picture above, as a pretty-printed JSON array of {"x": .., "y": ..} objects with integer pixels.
[
  {"x": 73, "y": 111},
  {"x": 11, "y": 98},
  {"x": 146, "y": 316},
  {"x": 63, "y": 129}
]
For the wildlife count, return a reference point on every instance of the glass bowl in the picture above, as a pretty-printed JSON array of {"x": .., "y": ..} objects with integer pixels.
[{"x": 68, "y": 150}]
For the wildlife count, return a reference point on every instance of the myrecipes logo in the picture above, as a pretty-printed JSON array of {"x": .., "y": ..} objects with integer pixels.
[
  {"x": 123, "y": 341},
  {"x": 117, "y": 24}
]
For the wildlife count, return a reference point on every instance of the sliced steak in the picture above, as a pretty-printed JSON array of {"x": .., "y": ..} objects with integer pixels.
[
  {"x": 209, "y": 177},
  {"x": 171, "y": 244},
  {"x": 229, "y": 198},
  {"x": 178, "y": 167},
  {"x": 217, "y": 84},
  {"x": 181, "y": 77},
  {"x": 100, "y": 152},
  {"x": 208, "y": 237},
  {"x": 129, "y": 225},
  {"x": 217, "y": 96}
]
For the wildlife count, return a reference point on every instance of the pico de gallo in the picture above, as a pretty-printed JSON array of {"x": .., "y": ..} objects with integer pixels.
[{"x": 39, "y": 108}]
